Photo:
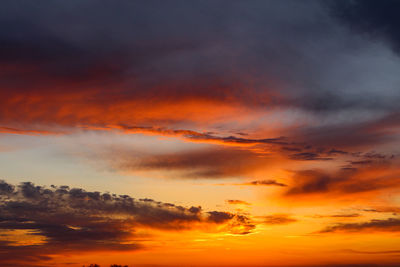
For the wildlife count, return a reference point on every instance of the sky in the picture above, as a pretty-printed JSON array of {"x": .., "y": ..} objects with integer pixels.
[{"x": 200, "y": 133}]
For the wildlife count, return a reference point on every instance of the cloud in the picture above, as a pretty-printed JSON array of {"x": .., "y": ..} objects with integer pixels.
[
  {"x": 237, "y": 202},
  {"x": 72, "y": 219},
  {"x": 372, "y": 252},
  {"x": 203, "y": 163},
  {"x": 269, "y": 182},
  {"x": 201, "y": 137},
  {"x": 383, "y": 209},
  {"x": 344, "y": 215},
  {"x": 365, "y": 134},
  {"x": 277, "y": 219},
  {"x": 244, "y": 157},
  {"x": 377, "y": 20},
  {"x": 367, "y": 178},
  {"x": 8, "y": 130},
  {"x": 308, "y": 156},
  {"x": 376, "y": 225},
  {"x": 241, "y": 59},
  {"x": 304, "y": 89},
  {"x": 310, "y": 181},
  {"x": 280, "y": 145}
]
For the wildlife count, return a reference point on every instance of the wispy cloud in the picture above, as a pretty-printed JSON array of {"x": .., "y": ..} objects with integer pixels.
[
  {"x": 277, "y": 219},
  {"x": 376, "y": 225},
  {"x": 237, "y": 202}
]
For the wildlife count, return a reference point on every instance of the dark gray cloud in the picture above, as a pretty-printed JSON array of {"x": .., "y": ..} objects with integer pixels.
[
  {"x": 263, "y": 53},
  {"x": 376, "y": 19},
  {"x": 269, "y": 182},
  {"x": 345, "y": 181},
  {"x": 349, "y": 136},
  {"x": 308, "y": 156},
  {"x": 264, "y": 183},
  {"x": 74, "y": 219},
  {"x": 88, "y": 62}
]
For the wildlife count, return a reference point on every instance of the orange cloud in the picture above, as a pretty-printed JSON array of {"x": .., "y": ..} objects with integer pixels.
[
  {"x": 277, "y": 219},
  {"x": 8, "y": 130},
  {"x": 237, "y": 202},
  {"x": 376, "y": 225}
]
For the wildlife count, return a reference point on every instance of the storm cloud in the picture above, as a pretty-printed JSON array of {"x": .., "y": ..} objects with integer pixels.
[{"x": 157, "y": 51}]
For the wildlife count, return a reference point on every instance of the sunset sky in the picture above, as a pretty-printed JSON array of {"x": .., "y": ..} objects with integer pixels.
[{"x": 200, "y": 133}]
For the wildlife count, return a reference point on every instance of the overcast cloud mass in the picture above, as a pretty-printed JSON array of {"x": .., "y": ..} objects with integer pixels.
[{"x": 267, "y": 131}]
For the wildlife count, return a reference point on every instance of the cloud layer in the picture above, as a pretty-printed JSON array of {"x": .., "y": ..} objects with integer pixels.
[{"x": 296, "y": 102}]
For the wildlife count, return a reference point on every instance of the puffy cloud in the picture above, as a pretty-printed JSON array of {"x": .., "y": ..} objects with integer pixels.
[{"x": 70, "y": 219}]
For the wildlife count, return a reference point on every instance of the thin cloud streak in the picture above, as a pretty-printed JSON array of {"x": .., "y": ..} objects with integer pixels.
[{"x": 390, "y": 225}]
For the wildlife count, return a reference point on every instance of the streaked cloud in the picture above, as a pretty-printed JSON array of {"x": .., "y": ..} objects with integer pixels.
[
  {"x": 376, "y": 225},
  {"x": 289, "y": 107},
  {"x": 277, "y": 219},
  {"x": 269, "y": 182},
  {"x": 237, "y": 202}
]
